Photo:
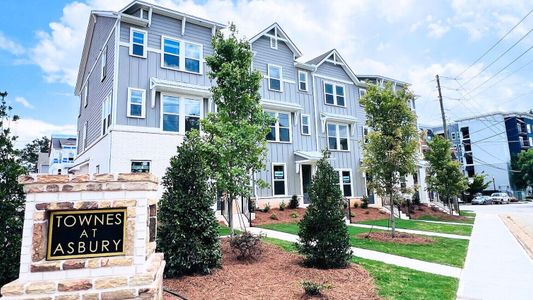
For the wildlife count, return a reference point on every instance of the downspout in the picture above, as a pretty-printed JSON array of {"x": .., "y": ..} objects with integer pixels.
[{"x": 315, "y": 105}]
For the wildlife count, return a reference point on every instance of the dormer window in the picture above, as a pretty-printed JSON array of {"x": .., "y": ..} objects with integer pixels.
[
  {"x": 137, "y": 42},
  {"x": 275, "y": 78}
]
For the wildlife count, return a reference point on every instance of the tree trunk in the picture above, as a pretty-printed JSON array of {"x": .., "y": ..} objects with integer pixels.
[
  {"x": 230, "y": 215},
  {"x": 392, "y": 218}
]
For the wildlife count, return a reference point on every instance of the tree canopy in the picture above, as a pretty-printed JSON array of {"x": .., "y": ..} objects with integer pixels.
[
  {"x": 30, "y": 154},
  {"x": 523, "y": 169}
]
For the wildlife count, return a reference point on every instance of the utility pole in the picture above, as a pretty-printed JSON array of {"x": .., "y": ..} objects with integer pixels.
[{"x": 442, "y": 108}]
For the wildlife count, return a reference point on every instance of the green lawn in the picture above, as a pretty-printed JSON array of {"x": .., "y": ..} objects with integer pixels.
[
  {"x": 423, "y": 226},
  {"x": 443, "y": 251},
  {"x": 395, "y": 282},
  {"x": 433, "y": 218},
  {"x": 467, "y": 213},
  {"x": 223, "y": 230}
]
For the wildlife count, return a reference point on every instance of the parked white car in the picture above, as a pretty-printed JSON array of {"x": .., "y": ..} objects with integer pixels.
[
  {"x": 482, "y": 200},
  {"x": 500, "y": 198}
]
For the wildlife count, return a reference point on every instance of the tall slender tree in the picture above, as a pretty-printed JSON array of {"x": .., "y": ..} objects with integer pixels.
[
  {"x": 237, "y": 131},
  {"x": 391, "y": 151},
  {"x": 445, "y": 175},
  {"x": 11, "y": 197}
]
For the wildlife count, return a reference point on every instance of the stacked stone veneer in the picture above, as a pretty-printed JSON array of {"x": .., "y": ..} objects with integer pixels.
[{"x": 135, "y": 275}]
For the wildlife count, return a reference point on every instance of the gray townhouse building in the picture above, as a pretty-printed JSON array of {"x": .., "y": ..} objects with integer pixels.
[{"x": 143, "y": 84}]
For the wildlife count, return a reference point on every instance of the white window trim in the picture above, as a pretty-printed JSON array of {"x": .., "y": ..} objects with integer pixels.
[
  {"x": 103, "y": 64},
  {"x": 145, "y": 41},
  {"x": 182, "y": 55},
  {"x": 276, "y": 126},
  {"x": 338, "y": 137},
  {"x": 140, "y": 160},
  {"x": 107, "y": 105},
  {"x": 273, "y": 43},
  {"x": 302, "y": 124},
  {"x": 341, "y": 183},
  {"x": 181, "y": 113},
  {"x": 306, "y": 81},
  {"x": 335, "y": 85},
  {"x": 284, "y": 179},
  {"x": 85, "y": 96},
  {"x": 143, "y": 107},
  {"x": 280, "y": 77}
]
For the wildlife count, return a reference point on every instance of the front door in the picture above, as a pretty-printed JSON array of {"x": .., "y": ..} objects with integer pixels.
[{"x": 306, "y": 182}]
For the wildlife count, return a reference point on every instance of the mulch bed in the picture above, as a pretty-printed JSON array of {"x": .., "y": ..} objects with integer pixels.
[
  {"x": 399, "y": 238},
  {"x": 283, "y": 216},
  {"x": 276, "y": 275},
  {"x": 367, "y": 214},
  {"x": 423, "y": 210}
]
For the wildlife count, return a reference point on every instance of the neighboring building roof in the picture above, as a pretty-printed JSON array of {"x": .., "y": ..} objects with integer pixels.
[
  {"x": 284, "y": 37},
  {"x": 503, "y": 114},
  {"x": 363, "y": 77},
  {"x": 58, "y": 141},
  {"x": 337, "y": 60}
]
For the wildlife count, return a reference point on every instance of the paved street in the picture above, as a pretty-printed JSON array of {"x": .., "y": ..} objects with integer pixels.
[{"x": 497, "y": 266}]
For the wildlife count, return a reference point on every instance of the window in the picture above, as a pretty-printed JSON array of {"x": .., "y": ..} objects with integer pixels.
[
  {"x": 192, "y": 57},
  {"x": 345, "y": 182},
  {"x": 365, "y": 135},
  {"x": 280, "y": 130},
  {"x": 334, "y": 94},
  {"x": 305, "y": 125},
  {"x": 273, "y": 43},
  {"x": 85, "y": 133},
  {"x": 136, "y": 100},
  {"x": 362, "y": 92},
  {"x": 85, "y": 96},
  {"x": 274, "y": 78},
  {"x": 453, "y": 135},
  {"x": 180, "y": 114},
  {"x": 140, "y": 167},
  {"x": 279, "y": 180},
  {"x": 180, "y": 55},
  {"x": 106, "y": 114},
  {"x": 171, "y": 53},
  {"x": 302, "y": 81},
  {"x": 103, "y": 64},
  {"x": 338, "y": 137},
  {"x": 137, "y": 42}
]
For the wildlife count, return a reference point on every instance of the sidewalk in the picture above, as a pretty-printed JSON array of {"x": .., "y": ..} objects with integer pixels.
[
  {"x": 420, "y": 232},
  {"x": 375, "y": 255},
  {"x": 443, "y": 222},
  {"x": 496, "y": 266}
]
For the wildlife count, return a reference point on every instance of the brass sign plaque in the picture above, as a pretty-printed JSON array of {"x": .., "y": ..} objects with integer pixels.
[{"x": 86, "y": 233}]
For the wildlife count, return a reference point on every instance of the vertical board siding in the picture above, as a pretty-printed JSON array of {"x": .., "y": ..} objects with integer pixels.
[
  {"x": 101, "y": 31},
  {"x": 98, "y": 90}
]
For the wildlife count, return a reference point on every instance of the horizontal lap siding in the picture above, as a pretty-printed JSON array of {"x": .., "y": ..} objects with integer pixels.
[
  {"x": 284, "y": 152},
  {"x": 136, "y": 72},
  {"x": 97, "y": 89}
]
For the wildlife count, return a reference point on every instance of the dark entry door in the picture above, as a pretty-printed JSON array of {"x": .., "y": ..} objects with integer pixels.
[
  {"x": 369, "y": 191},
  {"x": 306, "y": 182}
]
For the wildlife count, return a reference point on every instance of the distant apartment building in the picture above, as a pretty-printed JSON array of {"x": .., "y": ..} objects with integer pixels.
[
  {"x": 143, "y": 84},
  {"x": 61, "y": 155},
  {"x": 486, "y": 143}
]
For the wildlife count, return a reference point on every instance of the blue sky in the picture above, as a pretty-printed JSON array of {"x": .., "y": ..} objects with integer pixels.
[{"x": 41, "y": 42}]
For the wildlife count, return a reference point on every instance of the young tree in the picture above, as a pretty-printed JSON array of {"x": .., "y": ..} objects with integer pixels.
[
  {"x": 323, "y": 233},
  {"x": 523, "y": 169},
  {"x": 445, "y": 175},
  {"x": 477, "y": 185},
  {"x": 391, "y": 151},
  {"x": 30, "y": 154},
  {"x": 237, "y": 132},
  {"x": 11, "y": 198},
  {"x": 188, "y": 229}
]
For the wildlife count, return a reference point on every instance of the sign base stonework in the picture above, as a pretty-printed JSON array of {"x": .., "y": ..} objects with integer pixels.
[{"x": 89, "y": 237}]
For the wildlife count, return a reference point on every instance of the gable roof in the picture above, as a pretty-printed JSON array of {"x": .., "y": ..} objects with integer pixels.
[
  {"x": 337, "y": 60},
  {"x": 282, "y": 36}
]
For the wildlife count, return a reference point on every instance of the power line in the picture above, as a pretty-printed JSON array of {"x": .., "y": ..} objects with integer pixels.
[
  {"x": 496, "y": 44},
  {"x": 500, "y": 56}
]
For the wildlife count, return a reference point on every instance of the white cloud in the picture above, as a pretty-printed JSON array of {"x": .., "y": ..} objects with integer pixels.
[
  {"x": 29, "y": 129},
  {"x": 10, "y": 45},
  {"x": 22, "y": 101},
  {"x": 437, "y": 29}
]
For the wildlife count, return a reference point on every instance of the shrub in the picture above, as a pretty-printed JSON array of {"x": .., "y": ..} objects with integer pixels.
[
  {"x": 294, "y": 215},
  {"x": 282, "y": 206},
  {"x": 266, "y": 208},
  {"x": 314, "y": 289},
  {"x": 294, "y": 203},
  {"x": 355, "y": 205},
  {"x": 246, "y": 246},
  {"x": 188, "y": 229},
  {"x": 416, "y": 198},
  {"x": 273, "y": 216},
  {"x": 325, "y": 242},
  {"x": 364, "y": 202}
]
